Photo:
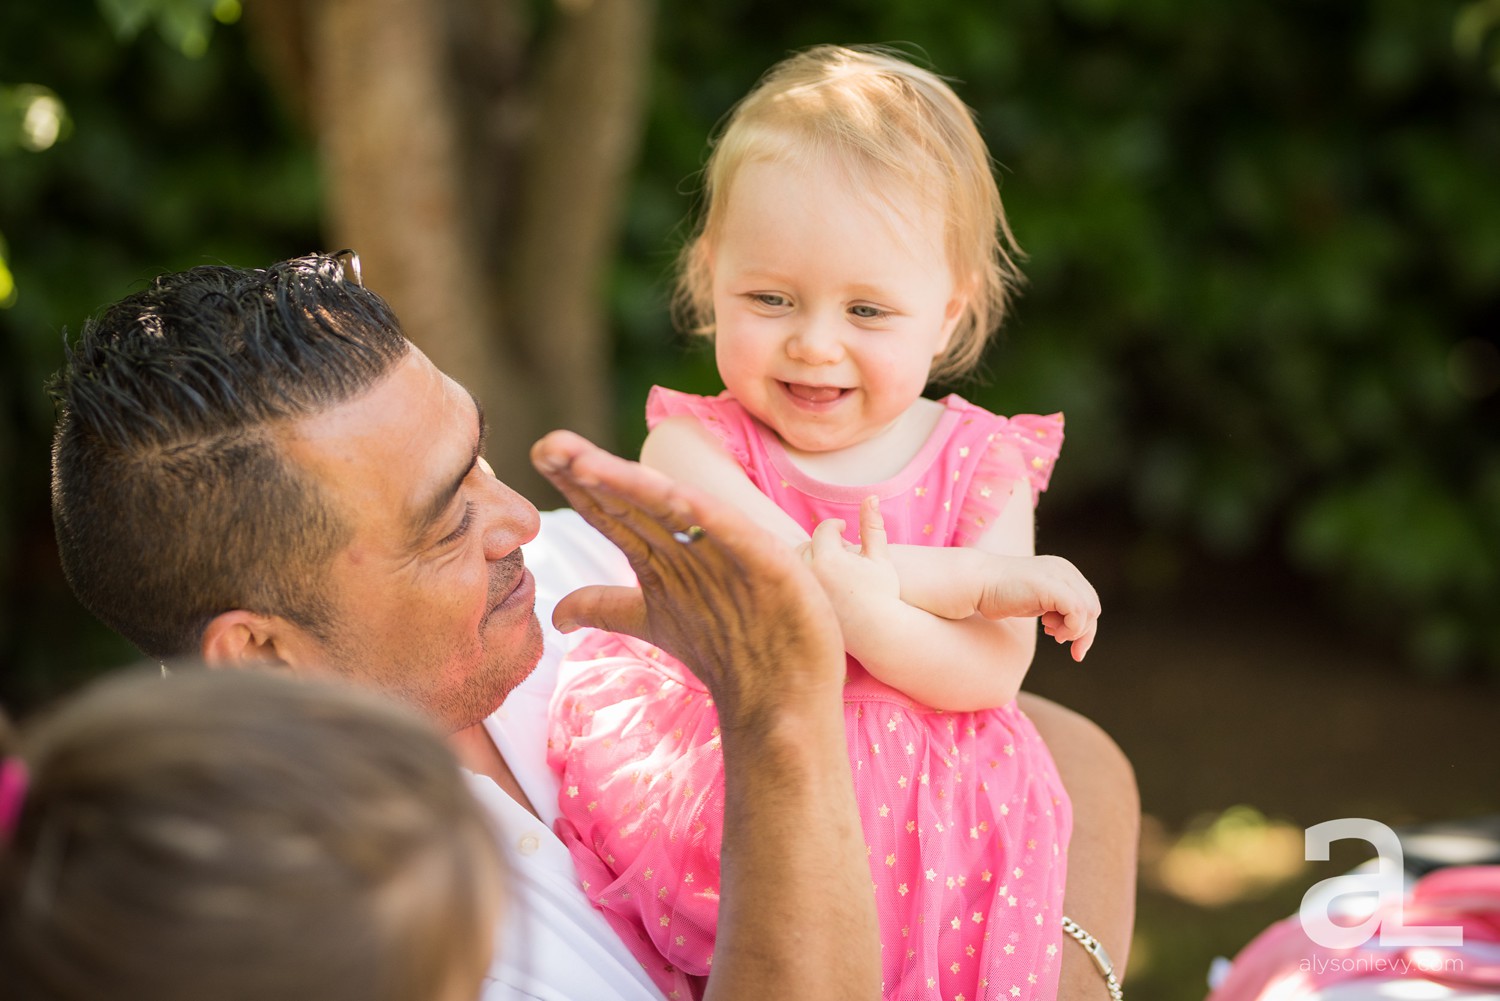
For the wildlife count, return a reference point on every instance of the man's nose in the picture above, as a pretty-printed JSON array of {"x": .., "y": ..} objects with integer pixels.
[{"x": 508, "y": 520}]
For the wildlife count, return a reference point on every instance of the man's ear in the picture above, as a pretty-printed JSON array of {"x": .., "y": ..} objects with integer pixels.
[{"x": 239, "y": 639}]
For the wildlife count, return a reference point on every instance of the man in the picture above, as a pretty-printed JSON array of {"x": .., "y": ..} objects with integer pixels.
[{"x": 257, "y": 467}]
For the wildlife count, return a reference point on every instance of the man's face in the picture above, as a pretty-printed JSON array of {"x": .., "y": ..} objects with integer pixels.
[{"x": 432, "y": 601}]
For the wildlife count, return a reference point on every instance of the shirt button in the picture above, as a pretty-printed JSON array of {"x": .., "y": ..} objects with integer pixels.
[{"x": 529, "y": 844}]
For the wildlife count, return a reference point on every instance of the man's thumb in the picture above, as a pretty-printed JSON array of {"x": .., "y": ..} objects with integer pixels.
[{"x": 617, "y": 609}]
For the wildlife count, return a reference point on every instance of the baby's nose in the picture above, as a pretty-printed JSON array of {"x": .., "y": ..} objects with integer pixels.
[{"x": 816, "y": 342}]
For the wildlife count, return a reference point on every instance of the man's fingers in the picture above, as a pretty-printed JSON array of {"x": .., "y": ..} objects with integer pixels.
[
  {"x": 554, "y": 454},
  {"x": 617, "y": 609},
  {"x": 592, "y": 478},
  {"x": 556, "y": 457},
  {"x": 637, "y": 508},
  {"x": 717, "y": 590},
  {"x": 646, "y": 501}
]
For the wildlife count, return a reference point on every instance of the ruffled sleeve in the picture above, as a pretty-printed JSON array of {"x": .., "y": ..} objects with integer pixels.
[
  {"x": 1023, "y": 447},
  {"x": 1037, "y": 440},
  {"x": 722, "y": 415}
]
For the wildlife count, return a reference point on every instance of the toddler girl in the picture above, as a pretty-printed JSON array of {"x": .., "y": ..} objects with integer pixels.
[{"x": 853, "y": 248}]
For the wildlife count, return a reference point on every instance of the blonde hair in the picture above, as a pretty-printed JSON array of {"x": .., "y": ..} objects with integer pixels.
[
  {"x": 888, "y": 122},
  {"x": 241, "y": 836}
]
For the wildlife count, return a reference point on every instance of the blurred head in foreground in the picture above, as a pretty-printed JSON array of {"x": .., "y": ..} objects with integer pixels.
[{"x": 236, "y": 835}]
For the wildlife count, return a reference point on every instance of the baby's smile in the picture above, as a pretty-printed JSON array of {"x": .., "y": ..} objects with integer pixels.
[{"x": 815, "y": 394}]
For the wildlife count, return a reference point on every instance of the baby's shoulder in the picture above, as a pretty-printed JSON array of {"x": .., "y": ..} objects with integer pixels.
[
  {"x": 676, "y": 416},
  {"x": 976, "y": 421}
]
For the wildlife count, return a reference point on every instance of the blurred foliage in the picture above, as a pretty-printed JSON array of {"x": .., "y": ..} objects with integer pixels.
[
  {"x": 1264, "y": 260},
  {"x": 186, "y": 25},
  {"x": 1207, "y": 890},
  {"x": 1264, "y": 263},
  {"x": 159, "y": 161}
]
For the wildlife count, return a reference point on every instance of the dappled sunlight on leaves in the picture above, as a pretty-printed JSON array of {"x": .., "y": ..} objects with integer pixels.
[
  {"x": 1477, "y": 28},
  {"x": 186, "y": 25},
  {"x": 32, "y": 118},
  {"x": 7, "y": 281}
]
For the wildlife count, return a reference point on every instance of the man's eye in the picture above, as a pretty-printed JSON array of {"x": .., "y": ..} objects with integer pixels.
[{"x": 462, "y": 529}]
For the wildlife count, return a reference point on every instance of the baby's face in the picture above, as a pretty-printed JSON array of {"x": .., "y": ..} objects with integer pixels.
[{"x": 830, "y": 303}]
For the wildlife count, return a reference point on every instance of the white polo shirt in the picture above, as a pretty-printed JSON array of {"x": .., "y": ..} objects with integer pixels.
[{"x": 552, "y": 944}]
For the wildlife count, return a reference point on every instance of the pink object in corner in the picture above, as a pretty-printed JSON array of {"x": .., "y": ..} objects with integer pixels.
[
  {"x": 14, "y": 780},
  {"x": 1283, "y": 964}
]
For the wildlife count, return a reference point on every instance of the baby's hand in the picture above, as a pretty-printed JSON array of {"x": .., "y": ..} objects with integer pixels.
[
  {"x": 855, "y": 578},
  {"x": 1045, "y": 586}
]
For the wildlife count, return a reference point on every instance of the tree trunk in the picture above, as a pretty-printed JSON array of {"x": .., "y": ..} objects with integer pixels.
[
  {"x": 424, "y": 125},
  {"x": 590, "y": 105},
  {"x": 395, "y": 191}
]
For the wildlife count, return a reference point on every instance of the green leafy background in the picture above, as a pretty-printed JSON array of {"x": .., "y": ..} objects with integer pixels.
[{"x": 1264, "y": 284}]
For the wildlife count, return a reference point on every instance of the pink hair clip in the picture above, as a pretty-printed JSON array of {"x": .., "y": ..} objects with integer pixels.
[{"x": 13, "y": 782}]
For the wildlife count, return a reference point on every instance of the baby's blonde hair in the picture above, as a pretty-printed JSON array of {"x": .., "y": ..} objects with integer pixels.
[{"x": 888, "y": 123}]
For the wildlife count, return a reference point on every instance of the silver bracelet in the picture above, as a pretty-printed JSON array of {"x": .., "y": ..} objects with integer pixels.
[{"x": 1095, "y": 949}]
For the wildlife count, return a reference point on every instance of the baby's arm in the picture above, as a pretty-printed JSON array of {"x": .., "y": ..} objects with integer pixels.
[
  {"x": 951, "y": 657},
  {"x": 958, "y": 582},
  {"x": 683, "y": 449},
  {"x": 960, "y": 663}
]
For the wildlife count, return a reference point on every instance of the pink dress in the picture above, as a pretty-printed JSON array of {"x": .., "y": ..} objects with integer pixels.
[{"x": 965, "y": 820}]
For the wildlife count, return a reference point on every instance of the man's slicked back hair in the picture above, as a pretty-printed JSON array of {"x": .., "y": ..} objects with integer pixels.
[{"x": 171, "y": 499}]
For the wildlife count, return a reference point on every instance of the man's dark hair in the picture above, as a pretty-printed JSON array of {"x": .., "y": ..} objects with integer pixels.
[{"x": 170, "y": 496}]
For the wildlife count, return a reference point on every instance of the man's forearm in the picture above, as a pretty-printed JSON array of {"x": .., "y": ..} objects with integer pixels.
[
  {"x": 1100, "y": 892},
  {"x": 797, "y": 914}
]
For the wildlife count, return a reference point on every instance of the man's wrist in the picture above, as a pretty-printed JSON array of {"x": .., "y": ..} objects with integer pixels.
[
  {"x": 1097, "y": 955},
  {"x": 791, "y": 743}
]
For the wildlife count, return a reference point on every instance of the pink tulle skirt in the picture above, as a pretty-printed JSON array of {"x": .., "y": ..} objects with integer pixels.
[{"x": 965, "y": 820}]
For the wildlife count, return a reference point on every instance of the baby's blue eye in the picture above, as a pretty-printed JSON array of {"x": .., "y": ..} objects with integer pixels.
[
  {"x": 770, "y": 299},
  {"x": 866, "y": 312}
]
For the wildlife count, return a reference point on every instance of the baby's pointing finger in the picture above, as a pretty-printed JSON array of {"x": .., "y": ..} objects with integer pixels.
[{"x": 872, "y": 537}]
